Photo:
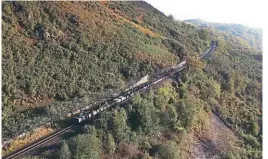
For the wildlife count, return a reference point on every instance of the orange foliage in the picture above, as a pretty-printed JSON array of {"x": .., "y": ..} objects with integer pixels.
[
  {"x": 103, "y": 2},
  {"x": 87, "y": 19},
  {"x": 22, "y": 141},
  {"x": 141, "y": 28}
]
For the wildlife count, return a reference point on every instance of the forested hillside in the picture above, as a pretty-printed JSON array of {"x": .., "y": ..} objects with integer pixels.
[
  {"x": 252, "y": 36},
  {"x": 55, "y": 53},
  {"x": 237, "y": 67},
  {"x": 60, "y": 55}
]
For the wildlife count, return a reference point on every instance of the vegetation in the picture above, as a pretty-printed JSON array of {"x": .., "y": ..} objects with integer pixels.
[
  {"x": 58, "y": 56},
  {"x": 249, "y": 36},
  {"x": 20, "y": 142},
  {"x": 237, "y": 83},
  {"x": 150, "y": 125},
  {"x": 53, "y": 56}
]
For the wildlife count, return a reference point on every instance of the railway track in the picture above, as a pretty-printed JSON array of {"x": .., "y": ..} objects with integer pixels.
[
  {"x": 44, "y": 140},
  {"x": 39, "y": 142}
]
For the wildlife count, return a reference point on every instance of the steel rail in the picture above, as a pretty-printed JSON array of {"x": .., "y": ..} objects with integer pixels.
[
  {"x": 54, "y": 135},
  {"x": 38, "y": 143}
]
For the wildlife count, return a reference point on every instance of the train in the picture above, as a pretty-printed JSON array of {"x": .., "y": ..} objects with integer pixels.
[{"x": 84, "y": 113}]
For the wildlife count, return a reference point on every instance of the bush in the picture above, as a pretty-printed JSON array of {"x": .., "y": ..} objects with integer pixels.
[
  {"x": 168, "y": 150},
  {"x": 254, "y": 128}
]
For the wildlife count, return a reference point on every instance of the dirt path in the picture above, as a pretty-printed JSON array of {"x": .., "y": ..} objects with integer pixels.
[{"x": 214, "y": 141}]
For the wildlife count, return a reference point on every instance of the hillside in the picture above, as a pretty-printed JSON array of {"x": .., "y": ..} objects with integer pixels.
[
  {"x": 252, "y": 36},
  {"x": 58, "y": 56},
  {"x": 237, "y": 67},
  {"x": 53, "y": 54},
  {"x": 50, "y": 53}
]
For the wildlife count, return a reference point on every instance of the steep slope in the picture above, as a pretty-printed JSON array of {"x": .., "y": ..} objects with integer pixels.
[
  {"x": 61, "y": 51},
  {"x": 61, "y": 55},
  {"x": 237, "y": 67}
]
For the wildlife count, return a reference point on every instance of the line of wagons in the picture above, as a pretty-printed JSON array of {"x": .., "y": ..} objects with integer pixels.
[{"x": 83, "y": 114}]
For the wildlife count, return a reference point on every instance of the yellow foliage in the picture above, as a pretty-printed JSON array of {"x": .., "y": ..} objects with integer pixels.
[
  {"x": 244, "y": 43},
  {"x": 195, "y": 63},
  {"x": 139, "y": 27},
  {"x": 198, "y": 118},
  {"x": 22, "y": 141},
  {"x": 216, "y": 87},
  {"x": 166, "y": 93}
]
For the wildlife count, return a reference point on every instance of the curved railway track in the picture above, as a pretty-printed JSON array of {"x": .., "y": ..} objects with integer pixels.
[
  {"x": 44, "y": 140},
  {"x": 39, "y": 142}
]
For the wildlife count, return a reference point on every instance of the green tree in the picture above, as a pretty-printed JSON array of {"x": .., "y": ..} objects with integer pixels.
[
  {"x": 144, "y": 116},
  {"x": 230, "y": 84},
  {"x": 165, "y": 95},
  {"x": 119, "y": 124},
  {"x": 221, "y": 44},
  {"x": 86, "y": 146},
  {"x": 192, "y": 114},
  {"x": 104, "y": 122},
  {"x": 203, "y": 34},
  {"x": 210, "y": 88},
  {"x": 168, "y": 150},
  {"x": 170, "y": 116},
  {"x": 254, "y": 128},
  {"x": 64, "y": 151},
  {"x": 110, "y": 145}
]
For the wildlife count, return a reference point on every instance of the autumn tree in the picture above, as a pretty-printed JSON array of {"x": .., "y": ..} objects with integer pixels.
[{"x": 193, "y": 62}]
